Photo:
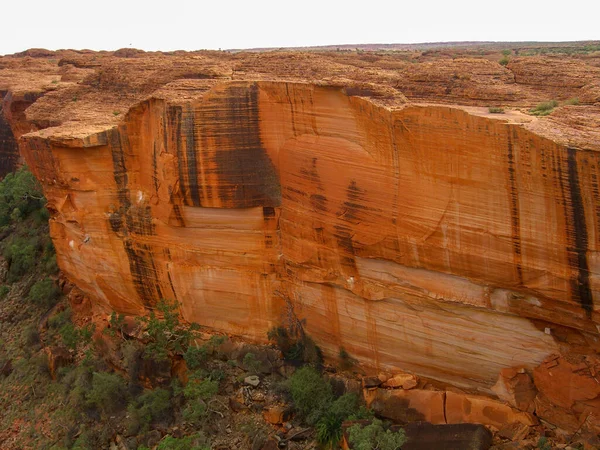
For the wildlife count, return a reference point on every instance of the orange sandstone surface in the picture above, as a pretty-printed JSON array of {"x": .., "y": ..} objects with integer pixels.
[{"x": 370, "y": 194}]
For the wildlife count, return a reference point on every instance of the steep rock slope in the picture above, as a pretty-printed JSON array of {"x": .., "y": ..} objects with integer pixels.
[
  {"x": 434, "y": 238},
  {"x": 401, "y": 234}
]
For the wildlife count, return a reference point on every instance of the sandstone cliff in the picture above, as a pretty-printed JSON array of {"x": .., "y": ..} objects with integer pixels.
[{"x": 383, "y": 205}]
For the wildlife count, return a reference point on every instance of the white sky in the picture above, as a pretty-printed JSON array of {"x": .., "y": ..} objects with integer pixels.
[{"x": 214, "y": 24}]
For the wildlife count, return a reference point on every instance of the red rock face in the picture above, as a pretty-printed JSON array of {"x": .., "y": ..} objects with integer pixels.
[{"x": 417, "y": 237}]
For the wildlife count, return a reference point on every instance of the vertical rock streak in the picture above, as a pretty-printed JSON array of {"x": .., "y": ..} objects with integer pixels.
[
  {"x": 578, "y": 238},
  {"x": 138, "y": 220},
  {"x": 514, "y": 208}
]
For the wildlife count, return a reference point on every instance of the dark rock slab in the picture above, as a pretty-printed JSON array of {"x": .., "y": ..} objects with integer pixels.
[{"x": 463, "y": 436}]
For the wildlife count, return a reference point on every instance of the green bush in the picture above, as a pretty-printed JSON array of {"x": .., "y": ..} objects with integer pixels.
[
  {"x": 195, "y": 357},
  {"x": 504, "y": 61},
  {"x": 20, "y": 195},
  {"x": 251, "y": 364},
  {"x": 375, "y": 437},
  {"x": 167, "y": 335},
  {"x": 4, "y": 290},
  {"x": 329, "y": 426},
  {"x": 312, "y": 395},
  {"x": 195, "y": 442},
  {"x": 495, "y": 110},
  {"x": 197, "y": 392},
  {"x": 108, "y": 392},
  {"x": 31, "y": 335},
  {"x": 60, "y": 319},
  {"x": 151, "y": 406},
  {"x": 543, "y": 444},
  {"x": 44, "y": 292},
  {"x": 21, "y": 254},
  {"x": 545, "y": 108},
  {"x": 572, "y": 101}
]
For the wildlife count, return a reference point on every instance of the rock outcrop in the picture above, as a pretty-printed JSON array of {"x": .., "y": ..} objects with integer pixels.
[{"x": 439, "y": 239}]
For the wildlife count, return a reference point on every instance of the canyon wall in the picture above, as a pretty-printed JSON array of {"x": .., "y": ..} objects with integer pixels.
[{"x": 417, "y": 237}]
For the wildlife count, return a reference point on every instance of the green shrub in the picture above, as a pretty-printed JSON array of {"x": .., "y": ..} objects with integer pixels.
[
  {"x": 195, "y": 442},
  {"x": 21, "y": 254},
  {"x": 329, "y": 426},
  {"x": 197, "y": 392},
  {"x": 311, "y": 394},
  {"x": 4, "y": 290},
  {"x": 543, "y": 444},
  {"x": 572, "y": 101},
  {"x": 495, "y": 110},
  {"x": 167, "y": 335},
  {"x": 57, "y": 321},
  {"x": 375, "y": 437},
  {"x": 20, "y": 195},
  {"x": 149, "y": 407},
  {"x": 31, "y": 335},
  {"x": 504, "y": 61},
  {"x": 108, "y": 392},
  {"x": 44, "y": 292},
  {"x": 195, "y": 357},
  {"x": 76, "y": 385},
  {"x": 545, "y": 108},
  {"x": 251, "y": 363}
]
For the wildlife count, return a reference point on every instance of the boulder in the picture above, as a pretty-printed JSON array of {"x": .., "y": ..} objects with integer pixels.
[
  {"x": 467, "y": 408},
  {"x": 402, "y": 380},
  {"x": 516, "y": 387},
  {"x": 564, "y": 380},
  {"x": 277, "y": 415},
  {"x": 403, "y": 406},
  {"x": 467, "y": 436},
  {"x": 252, "y": 380},
  {"x": 560, "y": 417}
]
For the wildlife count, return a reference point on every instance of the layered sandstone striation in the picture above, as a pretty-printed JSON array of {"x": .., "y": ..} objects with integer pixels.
[{"x": 382, "y": 205}]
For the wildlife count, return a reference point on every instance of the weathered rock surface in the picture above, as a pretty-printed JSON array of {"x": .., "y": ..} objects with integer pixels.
[
  {"x": 516, "y": 387},
  {"x": 432, "y": 237}
]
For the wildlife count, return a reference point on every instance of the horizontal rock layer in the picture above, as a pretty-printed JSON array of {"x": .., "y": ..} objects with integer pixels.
[{"x": 417, "y": 237}]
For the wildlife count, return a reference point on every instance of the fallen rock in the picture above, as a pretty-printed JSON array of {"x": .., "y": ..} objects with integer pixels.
[
  {"x": 277, "y": 415},
  {"x": 566, "y": 380},
  {"x": 409, "y": 406},
  {"x": 427, "y": 436},
  {"x": 515, "y": 431},
  {"x": 371, "y": 382},
  {"x": 555, "y": 415},
  {"x": 252, "y": 380},
  {"x": 466, "y": 408},
  {"x": 467, "y": 436},
  {"x": 402, "y": 380},
  {"x": 235, "y": 405},
  {"x": 516, "y": 387}
]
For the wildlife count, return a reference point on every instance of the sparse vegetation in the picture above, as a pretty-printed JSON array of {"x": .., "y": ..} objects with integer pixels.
[
  {"x": 166, "y": 334},
  {"x": 108, "y": 392},
  {"x": 316, "y": 404},
  {"x": 495, "y": 110},
  {"x": 375, "y": 436},
  {"x": 545, "y": 108},
  {"x": 44, "y": 292}
]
